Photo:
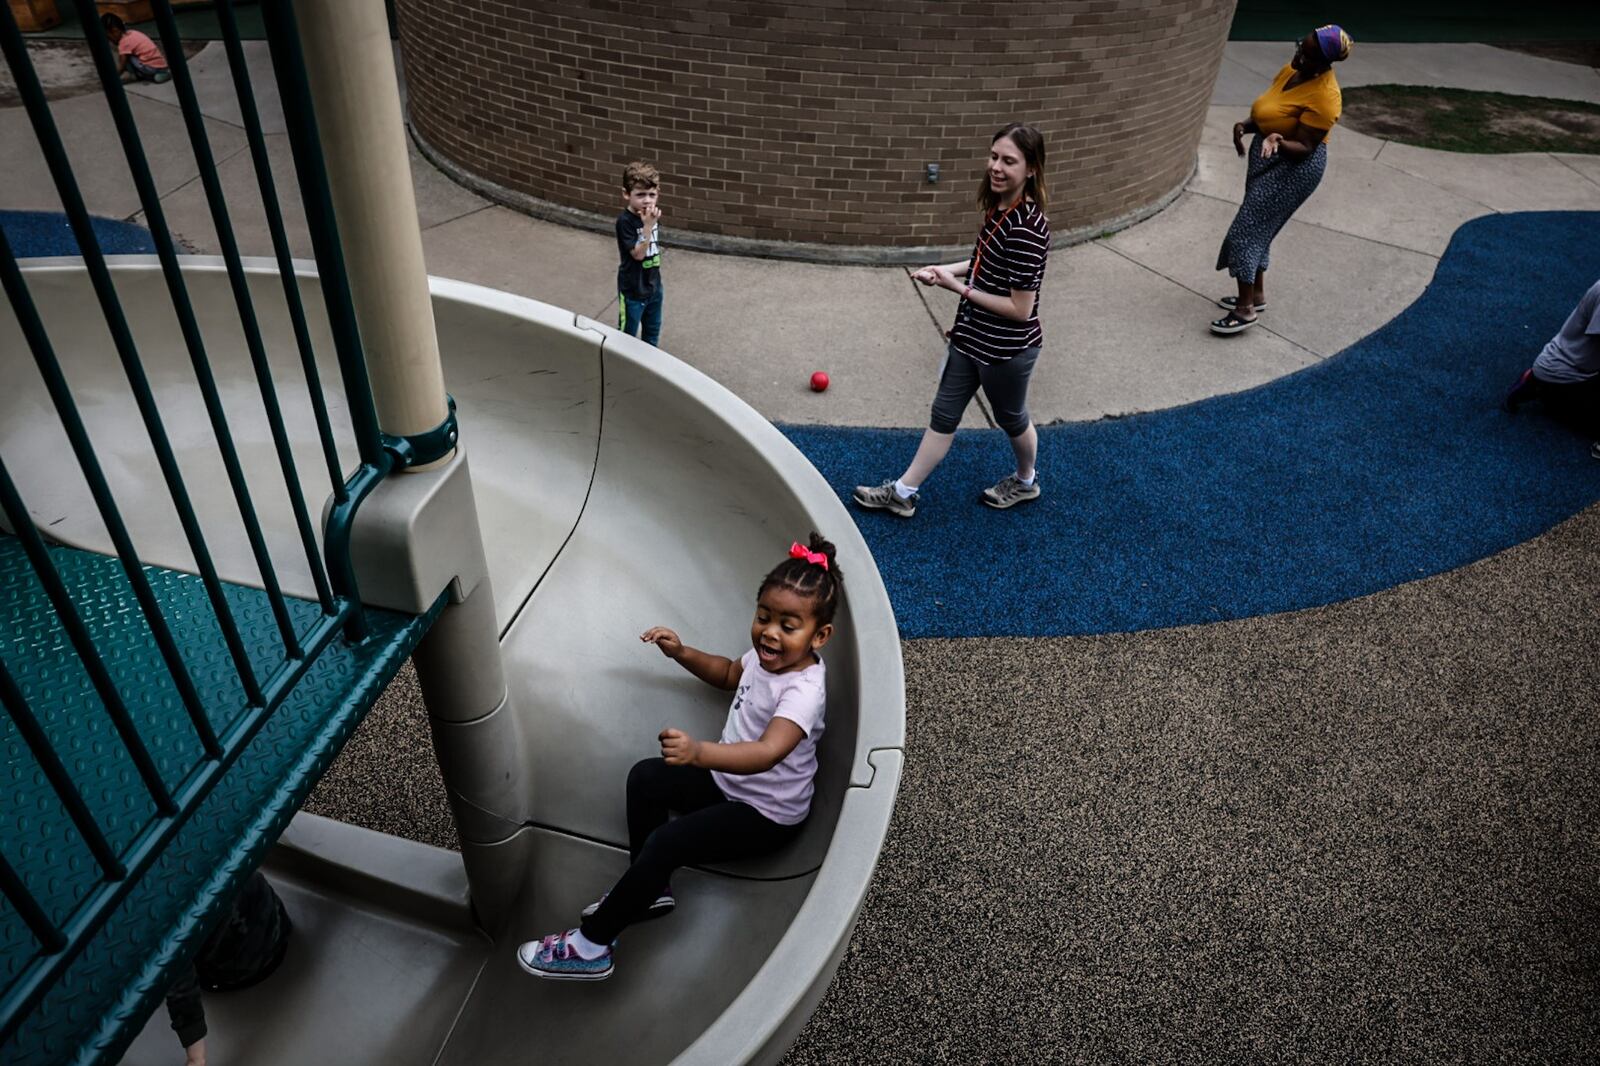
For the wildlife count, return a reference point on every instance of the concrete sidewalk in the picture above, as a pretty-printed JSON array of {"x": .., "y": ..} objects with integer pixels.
[{"x": 1125, "y": 316}]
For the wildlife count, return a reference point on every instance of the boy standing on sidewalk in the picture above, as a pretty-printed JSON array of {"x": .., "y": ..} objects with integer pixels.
[{"x": 638, "y": 237}]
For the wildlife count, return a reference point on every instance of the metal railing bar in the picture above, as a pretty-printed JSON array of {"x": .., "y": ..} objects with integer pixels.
[
  {"x": 44, "y": 930},
  {"x": 342, "y": 612},
  {"x": 156, "y": 222},
  {"x": 280, "y": 241},
  {"x": 56, "y": 773},
  {"x": 190, "y": 106},
  {"x": 295, "y": 94},
  {"x": 317, "y": 638},
  {"x": 32, "y": 94},
  {"x": 61, "y": 395},
  {"x": 91, "y": 913},
  {"x": 341, "y": 519},
  {"x": 67, "y": 614}
]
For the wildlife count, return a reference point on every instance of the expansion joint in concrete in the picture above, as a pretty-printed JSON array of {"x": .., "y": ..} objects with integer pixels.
[
  {"x": 1330, "y": 229},
  {"x": 1319, "y": 356},
  {"x": 1575, "y": 170}
]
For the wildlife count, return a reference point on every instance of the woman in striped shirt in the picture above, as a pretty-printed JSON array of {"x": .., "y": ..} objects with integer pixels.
[{"x": 996, "y": 337}]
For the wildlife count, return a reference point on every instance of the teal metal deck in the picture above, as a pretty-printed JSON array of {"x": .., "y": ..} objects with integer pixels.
[{"x": 98, "y": 1001}]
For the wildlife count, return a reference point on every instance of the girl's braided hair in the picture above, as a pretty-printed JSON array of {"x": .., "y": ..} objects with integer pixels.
[{"x": 819, "y": 583}]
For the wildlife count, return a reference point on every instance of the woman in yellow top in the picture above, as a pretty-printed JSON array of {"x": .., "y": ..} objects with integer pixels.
[{"x": 1288, "y": 154}]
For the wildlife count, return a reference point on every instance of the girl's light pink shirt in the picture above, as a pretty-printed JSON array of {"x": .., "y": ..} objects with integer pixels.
[{"x": 782, "y": 793}]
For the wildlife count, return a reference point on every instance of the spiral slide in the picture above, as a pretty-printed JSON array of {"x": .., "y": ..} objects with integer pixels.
[{"x": 616, "y": 488}]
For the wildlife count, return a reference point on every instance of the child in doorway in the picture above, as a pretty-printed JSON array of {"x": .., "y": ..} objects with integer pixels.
[
  {"x": 638, "y": 242},
  {"x": 744, "y": 795},
  {"x": 138, "y": 58}
]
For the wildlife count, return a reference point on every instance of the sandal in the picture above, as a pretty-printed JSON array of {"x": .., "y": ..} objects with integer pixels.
[
  {"x": 1228, "y": 303},
  {"x": 1231, "y": 323}
]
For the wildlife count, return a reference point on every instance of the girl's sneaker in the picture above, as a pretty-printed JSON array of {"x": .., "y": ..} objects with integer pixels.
[
  {"x": 553, "y": 957},
  {"x": 662, "y": 906}
]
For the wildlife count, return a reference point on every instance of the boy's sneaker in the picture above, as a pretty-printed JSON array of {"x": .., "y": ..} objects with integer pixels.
[
  {"x": 884, "y": 498},
  {"x": 662, "y": 907},
  {"x": 553, "y": 957},
  {"x": 1010, "y": 492}
]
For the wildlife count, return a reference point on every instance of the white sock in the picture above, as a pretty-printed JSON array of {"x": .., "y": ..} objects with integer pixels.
[
  {"x": 904, "y": 491},
  {"x": 1028, "y": 482},
  {"x": 587, "y": 949}
]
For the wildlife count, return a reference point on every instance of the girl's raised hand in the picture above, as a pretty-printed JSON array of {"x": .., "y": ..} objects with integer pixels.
[
  {"x": 926, "y": 276},
  {"x": 943, "y": 278},
  {"x": 665, "y": 639},
  {"x": 677, "y": 747}
]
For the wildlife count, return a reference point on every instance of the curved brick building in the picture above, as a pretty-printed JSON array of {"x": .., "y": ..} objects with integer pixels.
[{"x": 807, "y": 128}]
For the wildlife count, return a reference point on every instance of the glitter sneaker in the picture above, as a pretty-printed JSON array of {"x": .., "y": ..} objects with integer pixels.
[{"x": 556, "y": 958}]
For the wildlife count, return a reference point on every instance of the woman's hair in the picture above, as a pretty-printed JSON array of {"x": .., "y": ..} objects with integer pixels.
[
  {"x": 1031, "y": 143},
  {"x": 819, "y": 583}
]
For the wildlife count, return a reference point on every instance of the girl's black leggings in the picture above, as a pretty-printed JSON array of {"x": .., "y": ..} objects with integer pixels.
[{"x": 710, "y": 828}]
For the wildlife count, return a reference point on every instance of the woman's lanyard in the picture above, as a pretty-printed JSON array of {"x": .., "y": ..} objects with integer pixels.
[{"x": 985, "y": 238}]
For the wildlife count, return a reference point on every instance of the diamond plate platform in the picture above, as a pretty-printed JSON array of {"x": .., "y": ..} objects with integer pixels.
[{"x": 105, "y": 994}]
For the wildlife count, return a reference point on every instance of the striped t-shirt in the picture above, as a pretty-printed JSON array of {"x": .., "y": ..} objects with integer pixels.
[{"x": 1010, "y": 255}]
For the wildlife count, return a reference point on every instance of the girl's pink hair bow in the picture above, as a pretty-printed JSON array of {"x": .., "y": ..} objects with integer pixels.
[{"x": 800, "y": 551}]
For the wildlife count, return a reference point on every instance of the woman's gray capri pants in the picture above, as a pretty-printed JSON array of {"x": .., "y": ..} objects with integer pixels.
[{"x": 1005, "y": 384}]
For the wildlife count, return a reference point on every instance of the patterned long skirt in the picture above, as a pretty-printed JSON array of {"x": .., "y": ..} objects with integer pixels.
[{"x": 1274, "y": 189}]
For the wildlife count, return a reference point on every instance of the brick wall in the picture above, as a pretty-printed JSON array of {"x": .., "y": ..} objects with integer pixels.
[{"x": 814, "y": 122}]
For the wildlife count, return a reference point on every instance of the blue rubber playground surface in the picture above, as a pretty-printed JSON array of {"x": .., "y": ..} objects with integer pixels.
[
  {"x": 1388, "y": 462},
  {"x": 34, "y": 234}
]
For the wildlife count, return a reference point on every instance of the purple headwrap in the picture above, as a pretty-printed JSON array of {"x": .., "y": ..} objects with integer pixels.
[{"x": 1333, "y": 42}]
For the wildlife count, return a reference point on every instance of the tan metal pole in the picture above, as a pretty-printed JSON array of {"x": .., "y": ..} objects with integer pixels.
[{"x": 350, "y": 67}]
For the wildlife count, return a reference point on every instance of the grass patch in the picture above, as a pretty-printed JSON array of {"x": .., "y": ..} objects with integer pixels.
[{"x": 1462, "y": 120}]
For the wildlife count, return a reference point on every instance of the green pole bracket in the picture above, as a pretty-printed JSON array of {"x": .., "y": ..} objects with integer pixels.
[
  {"x": 397, "y": 453},
  {"x": 422, "y": 448}
]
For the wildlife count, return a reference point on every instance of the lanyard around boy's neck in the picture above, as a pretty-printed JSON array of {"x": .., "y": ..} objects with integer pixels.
[{"x": 985, "y": 238}]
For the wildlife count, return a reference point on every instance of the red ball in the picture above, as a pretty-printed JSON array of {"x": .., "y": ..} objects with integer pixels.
[{"x": 819, "y": 381}]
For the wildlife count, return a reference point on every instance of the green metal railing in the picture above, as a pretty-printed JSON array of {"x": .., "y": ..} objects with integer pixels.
[{"x": 341, "y": 616}]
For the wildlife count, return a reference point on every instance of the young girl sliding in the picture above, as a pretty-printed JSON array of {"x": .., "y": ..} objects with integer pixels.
[{"x": 745, "y": 795}]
